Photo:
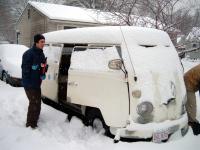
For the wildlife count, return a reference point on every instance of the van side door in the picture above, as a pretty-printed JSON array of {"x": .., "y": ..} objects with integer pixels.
[
  {"x": 50, "y": 84},
  {"x": 92, "y": 83}
]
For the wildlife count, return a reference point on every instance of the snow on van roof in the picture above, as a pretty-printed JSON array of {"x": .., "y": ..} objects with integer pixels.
[
  {"x": 63, "y": 12},
  {"x": 146, "y": 36},
  {"x": 85, "y": 35},
  {"x": 109, "y": 35}
]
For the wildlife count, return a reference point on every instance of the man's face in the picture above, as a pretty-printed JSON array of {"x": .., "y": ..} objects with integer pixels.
[{"x": 40, "y": 44}]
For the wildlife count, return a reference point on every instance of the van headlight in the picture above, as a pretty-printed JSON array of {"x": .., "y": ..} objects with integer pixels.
[{"x": 144, "y": 108}]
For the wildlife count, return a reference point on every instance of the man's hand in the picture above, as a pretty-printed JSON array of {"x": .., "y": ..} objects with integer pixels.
[{"x": 43, "y": 77}]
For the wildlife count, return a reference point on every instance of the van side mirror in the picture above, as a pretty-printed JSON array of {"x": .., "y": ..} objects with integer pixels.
[{"x": 115, "y": 64}]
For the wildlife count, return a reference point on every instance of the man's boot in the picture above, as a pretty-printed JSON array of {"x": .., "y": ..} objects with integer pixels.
[
  {"x": 195, "y": 127},
  {"x": 32, "y": 126}
]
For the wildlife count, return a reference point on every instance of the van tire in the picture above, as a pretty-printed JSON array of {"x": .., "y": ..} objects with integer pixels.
[{"x": 93, "y": 116}]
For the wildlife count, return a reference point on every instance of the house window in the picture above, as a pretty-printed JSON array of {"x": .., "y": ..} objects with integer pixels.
[
  {"x": 194, "y": 45},
  {"x": 28, "y": 13},
  {"x": 61, "y": 27},
  {"x": 18, "y": 38}
]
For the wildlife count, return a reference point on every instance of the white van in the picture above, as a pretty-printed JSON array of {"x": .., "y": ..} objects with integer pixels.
[
  {"x": 10, "y": 63},
  {"x": 127, "y": 80}
]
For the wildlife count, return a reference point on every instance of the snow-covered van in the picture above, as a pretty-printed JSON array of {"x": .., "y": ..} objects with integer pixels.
[
  {"x": 10, "y": 63},
  {"x": 127, "y": 80}
]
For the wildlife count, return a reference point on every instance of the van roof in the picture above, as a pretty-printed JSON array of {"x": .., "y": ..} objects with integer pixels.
[{"x": 108, "y": 35}]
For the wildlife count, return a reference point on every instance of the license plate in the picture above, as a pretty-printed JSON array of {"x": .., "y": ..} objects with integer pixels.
[{"x": 158, "y": 136}]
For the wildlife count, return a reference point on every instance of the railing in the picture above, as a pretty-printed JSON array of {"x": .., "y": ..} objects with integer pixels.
[{"x": 182, "y": 53}]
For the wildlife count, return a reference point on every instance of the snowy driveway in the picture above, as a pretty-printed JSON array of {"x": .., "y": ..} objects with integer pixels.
[{"x": 55, "y": 133}]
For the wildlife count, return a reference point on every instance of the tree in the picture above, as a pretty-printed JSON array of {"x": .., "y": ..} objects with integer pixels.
[
  {"x": 160, "y": 14},
  {"x": 10, "y": 12},
  {"x": 93, "y": 4},
  {"x": 164, "y": 13},
  {"x": 122, "y": 10}
]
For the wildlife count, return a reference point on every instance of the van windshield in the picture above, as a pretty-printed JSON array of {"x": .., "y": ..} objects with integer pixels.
[{"x": 159, "y": 58}]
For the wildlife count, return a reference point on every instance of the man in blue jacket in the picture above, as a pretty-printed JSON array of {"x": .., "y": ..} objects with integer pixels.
[{"x": 33, "y": 63}]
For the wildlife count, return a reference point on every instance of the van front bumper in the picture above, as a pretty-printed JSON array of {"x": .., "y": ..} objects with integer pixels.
[{"x": 158, "y": 132}]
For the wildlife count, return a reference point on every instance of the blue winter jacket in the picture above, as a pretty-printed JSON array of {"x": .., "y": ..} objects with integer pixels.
[{"x": 31, "y": 70}]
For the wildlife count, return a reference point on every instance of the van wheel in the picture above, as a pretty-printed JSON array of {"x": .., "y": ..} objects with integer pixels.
[
  {"x": 4, "y": 77},
  {"x": 98, "y": 125},
  {"x": 95, "y": 119}
]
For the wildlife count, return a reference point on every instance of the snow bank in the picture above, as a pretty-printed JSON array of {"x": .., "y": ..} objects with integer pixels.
[{"x": 54, "y": 132}]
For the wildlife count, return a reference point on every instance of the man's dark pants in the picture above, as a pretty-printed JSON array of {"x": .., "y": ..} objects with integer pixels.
[{"x": 34, "y": 96}]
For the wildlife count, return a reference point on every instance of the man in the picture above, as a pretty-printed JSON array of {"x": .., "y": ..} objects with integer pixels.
[
  {"x": 192, "y": 83},
  {"x": 33, "y": 66}
]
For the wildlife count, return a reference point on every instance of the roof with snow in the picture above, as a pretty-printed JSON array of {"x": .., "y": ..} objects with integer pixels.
[
  {"x": 63, "y": 12},
  {"x": 94, "y": 16},
  {"x": 71, "y": 13},
  {"x": 194, "y": 34}
]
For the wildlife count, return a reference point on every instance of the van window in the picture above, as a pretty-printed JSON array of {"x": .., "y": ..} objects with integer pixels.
[
  {"x": 69, "y": 27},
  {"x": 52, "y": 53},
  {"x": 93, "y": 58},
  {"x": 80, "y": 48}
]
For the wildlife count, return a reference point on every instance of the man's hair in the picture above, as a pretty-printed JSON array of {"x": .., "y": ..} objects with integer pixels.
[{"x": 38, "y": 37}]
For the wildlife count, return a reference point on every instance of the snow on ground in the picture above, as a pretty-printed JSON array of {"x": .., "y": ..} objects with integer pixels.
[{"x": 55, "y": 133}]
